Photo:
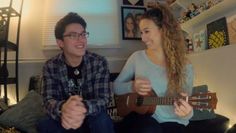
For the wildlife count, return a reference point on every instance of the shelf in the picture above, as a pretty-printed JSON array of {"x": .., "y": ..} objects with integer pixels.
[
  {"x": 223, "y": 6},
  {"x": 10, "y": 45},
  {"x": 4, "y": 11},
  {"x": 176, "y": 5},
  {"x": 177, "y": 8},
  {"x": 9, "y": 80}
]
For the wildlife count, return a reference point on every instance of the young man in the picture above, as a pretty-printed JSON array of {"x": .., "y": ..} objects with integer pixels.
[{"x": 76, "y": 83}]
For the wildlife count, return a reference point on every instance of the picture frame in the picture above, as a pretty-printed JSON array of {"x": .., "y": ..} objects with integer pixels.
[
  {"x": 133, "y": 2},
  {"x": 130, "y": 17}
]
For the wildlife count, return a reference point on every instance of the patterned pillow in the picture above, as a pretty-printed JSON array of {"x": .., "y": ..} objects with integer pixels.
[
  {"x": 25, "y": 114},
  {"x": 3, "y": 106}
]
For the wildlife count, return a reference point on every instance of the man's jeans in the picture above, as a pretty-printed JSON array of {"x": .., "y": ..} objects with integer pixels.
[{"x": 100, "y": 123}]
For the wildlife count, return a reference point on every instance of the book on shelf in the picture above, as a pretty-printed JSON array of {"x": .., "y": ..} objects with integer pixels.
[
  {"x": 199, "y": 41},
  {"x": 217, "y": 33},
  {"x": 231, "y": 24}
]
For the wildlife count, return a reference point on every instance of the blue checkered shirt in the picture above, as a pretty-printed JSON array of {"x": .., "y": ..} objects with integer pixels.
[{"x": 96, "y": 91}]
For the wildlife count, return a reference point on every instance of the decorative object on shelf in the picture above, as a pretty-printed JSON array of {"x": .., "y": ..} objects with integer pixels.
[
  {"x": 133, "y": 2},
  {"x": 199, "y": 41},
  {"x": 189, "y": 44},
  {"x": 184, "y": 16},
  {"x": 193, "y": 10},
  {"x": 130, "y": 18},
  {"x": 211, "y": 3},
  {"x": 231, "y": 24},
  {"x": 217, "y": 33}
]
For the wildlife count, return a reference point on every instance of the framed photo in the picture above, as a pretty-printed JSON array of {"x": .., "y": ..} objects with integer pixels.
[
  {"x": 133, "y": 2},
  {"x": 231, "y": 25},
  {"x": 130, "y": 17}
]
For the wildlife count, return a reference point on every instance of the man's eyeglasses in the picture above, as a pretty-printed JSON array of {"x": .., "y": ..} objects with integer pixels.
[{"x": 76, "y": 36}]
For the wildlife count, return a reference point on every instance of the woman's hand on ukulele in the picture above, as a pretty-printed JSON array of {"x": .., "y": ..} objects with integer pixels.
[
  {"x": 142, "y": 86},
  {"x": 182, "y": 107}
]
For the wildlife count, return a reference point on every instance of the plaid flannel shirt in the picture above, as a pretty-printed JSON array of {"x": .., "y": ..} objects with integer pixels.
[{"x": 95, "y": 89}]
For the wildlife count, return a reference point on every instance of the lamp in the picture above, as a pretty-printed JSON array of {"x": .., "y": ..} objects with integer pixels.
[{"x": 232, "y": 129}]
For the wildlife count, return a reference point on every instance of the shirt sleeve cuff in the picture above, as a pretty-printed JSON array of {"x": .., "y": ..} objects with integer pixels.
[{"x": 59, "y": 107}]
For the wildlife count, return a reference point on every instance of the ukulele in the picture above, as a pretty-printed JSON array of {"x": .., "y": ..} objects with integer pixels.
[{"x": 147, "y": 104}]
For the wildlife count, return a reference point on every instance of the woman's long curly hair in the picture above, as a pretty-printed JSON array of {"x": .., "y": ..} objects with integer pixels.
[{"x": 173, "y": 46}]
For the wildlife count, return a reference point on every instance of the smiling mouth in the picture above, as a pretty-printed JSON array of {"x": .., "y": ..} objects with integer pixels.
[{"x": 79, "y": 46}]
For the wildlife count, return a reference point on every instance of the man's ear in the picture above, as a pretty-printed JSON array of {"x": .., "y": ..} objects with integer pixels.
[{"x": 60, "y": 43}]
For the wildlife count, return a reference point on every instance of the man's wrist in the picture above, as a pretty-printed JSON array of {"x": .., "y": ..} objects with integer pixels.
[{"x": 60, "y": 108}]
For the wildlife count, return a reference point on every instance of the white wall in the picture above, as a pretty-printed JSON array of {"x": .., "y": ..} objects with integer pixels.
[
  {"x": 31, "y": 36},
  {"x": 215, "y": 67}
]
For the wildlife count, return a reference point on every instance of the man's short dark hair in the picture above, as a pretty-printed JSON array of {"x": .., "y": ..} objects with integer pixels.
[{"x": 66, "y": 20}]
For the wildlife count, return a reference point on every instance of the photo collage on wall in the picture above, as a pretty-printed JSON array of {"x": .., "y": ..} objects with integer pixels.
[{"x": 131, "y": 11}]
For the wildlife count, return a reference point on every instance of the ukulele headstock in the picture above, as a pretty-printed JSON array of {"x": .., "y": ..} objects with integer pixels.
[{"x": 203, "y": 101}]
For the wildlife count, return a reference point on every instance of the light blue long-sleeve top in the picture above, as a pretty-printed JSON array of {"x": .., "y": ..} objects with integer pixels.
[{"x": 139, "y": 65}]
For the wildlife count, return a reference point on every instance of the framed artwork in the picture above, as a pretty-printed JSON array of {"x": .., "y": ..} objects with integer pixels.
[
  {"x": 133, "y": 2},
  {"x": 231, "y": 25},
  {"x": 130, "y": 17},
  {"x": 217, "y": 33},
  {"x": 199, "y": 41}
]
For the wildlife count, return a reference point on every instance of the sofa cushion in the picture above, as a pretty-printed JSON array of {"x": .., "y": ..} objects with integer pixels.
[
  {"x": 219, "y": 124},
  {"x": 25, "y": 114}
]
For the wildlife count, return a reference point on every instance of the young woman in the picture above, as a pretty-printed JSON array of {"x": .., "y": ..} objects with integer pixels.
[{"x": 161, "y": 68}]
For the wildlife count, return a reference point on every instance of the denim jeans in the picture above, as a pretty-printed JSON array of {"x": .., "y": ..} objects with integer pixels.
[
  {"x": 136, "y": 123},
  {"x": 100, "y": 123}
]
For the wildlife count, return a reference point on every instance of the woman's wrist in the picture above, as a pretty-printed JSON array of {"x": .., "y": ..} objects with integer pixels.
[{"x": 133, "y": 87}]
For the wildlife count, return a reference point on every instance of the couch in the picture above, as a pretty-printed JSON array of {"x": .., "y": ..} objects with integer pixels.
[{"x": 24, "y": 115}]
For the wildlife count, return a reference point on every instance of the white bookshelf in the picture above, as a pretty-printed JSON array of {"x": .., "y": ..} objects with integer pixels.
[
  {"x": 199, "y": 22},
  {"x": 223, "y": 6}
]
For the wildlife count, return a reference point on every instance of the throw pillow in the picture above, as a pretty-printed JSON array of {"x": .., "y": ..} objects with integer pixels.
[
  {"x": 3, "y": 106},
  {"x": 202, "y": 114},
  {"x": 25, "y": 114}
]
